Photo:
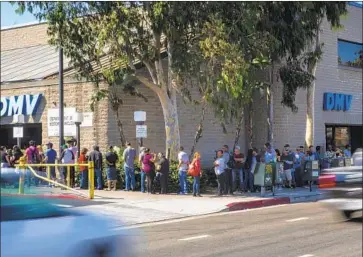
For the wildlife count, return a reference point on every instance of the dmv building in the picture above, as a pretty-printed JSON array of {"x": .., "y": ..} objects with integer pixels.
[{"x": 29, "y": 86}]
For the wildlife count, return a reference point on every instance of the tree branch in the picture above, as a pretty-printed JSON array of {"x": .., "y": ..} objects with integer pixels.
[{"x": 149, "y": 84}]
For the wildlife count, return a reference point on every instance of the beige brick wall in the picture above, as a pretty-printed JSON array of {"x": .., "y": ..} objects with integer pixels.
[
  {"x": 189, "y": 116},
  {"x": 290, "y": 127},
  {"x": 333, "y": 78},
  {"x": 21, "y": 37},
  {"x": 75, "y": 95}
]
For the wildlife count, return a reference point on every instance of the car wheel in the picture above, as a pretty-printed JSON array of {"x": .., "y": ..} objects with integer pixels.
[{"x": 347, "y": 214}]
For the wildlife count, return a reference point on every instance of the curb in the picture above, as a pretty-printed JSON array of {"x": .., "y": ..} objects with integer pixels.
[{"x": 237, "y": 206}]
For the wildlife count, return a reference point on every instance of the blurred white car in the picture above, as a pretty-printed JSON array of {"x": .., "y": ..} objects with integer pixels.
[{"x": 43, "y": 227}]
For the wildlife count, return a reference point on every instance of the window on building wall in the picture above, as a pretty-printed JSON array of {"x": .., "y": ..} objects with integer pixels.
[{"x": 350, "y": 54}]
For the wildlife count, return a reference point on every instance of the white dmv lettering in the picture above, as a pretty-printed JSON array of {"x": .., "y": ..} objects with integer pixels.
[{"x": 23, "y": 104}]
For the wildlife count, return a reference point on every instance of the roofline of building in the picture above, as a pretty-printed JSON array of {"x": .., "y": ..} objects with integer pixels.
[{"x": 23, "y": 25}]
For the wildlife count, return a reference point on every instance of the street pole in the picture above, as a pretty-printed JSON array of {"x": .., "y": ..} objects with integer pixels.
[
  {"x": 78, "y": 135},
  {"x": 61, "y": 101},
  {"x": 18, "y": 142}
]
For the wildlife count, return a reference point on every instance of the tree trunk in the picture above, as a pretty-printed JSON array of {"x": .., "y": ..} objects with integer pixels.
[
  {"x": 198, "y": 133},
  {"x": 269, "y": 97},
  {"x": 250, "y": 125},
  {"x": 120, "y": 128},
  {"x": 309, "y": 130},
  {"x": 171, "y": 119},
  {"x": 238, "y": 129}
]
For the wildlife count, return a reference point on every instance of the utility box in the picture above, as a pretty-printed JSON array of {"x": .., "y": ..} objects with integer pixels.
[
  {"x": 347, "y": 162},
  {"x": 311, "y": 171},
  {"x": 337, "y": 162},
  {"x": 265, "y": 174},
  {"x": 279, "y": 173},
  {"x": 259, "y": 174}
]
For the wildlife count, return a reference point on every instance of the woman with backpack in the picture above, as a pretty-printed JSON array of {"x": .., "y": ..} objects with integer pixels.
[{"x": 196, "y": 172}]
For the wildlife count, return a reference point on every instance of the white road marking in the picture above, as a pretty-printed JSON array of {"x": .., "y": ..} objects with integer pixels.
[
  {"x": 63, "y": 205},
  {"x": 298, "y": 219},
  {"x": 307, "y": 255},
  {"x": 162, "y": 222},
  {"x": 194, "y": 238}
]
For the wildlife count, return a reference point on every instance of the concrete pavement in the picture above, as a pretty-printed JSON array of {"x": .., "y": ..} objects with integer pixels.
[
  {"x": 298, "y": 230},
  {"x": 136, "y": 207}
]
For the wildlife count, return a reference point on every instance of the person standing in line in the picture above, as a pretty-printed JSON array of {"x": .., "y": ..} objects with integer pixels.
[
  {"x": 278, "y": 155},
  {"x": 83, "y": 158},
  {"x": 347, "y": 152},
  {"x": 5, "y": 158},
  {"x": 50, "y": 157},
  {"x": 328, "y": 157},
  {"x": 163, "y": 168},
  {"x": 67, "y": 157},
  {"x": 250, "y": 165},
  {"x": 73, "y": 150},
  {"x": 111, "y": 160},
  {"x": 270, "y": 154},
  {"x": 196, "y": 172},
  {"x": 142, "y": 173},
  {"x": 183, "y": 169},
  {"x": 148, "y": 161},
  {"x": 129, "y": 157},
  {"x": 238, "y": 169},
  {"x": 288, "y": 159},
  {"x": 96, "y": 157},
  {"x": 219, "y": 169},
  {"x": 228, "y": 171},
  {"x": 32, "y": 157}
]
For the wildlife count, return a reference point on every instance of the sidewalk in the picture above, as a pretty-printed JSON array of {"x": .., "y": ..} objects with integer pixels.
[
  {"x": 135, "y": 207},
  {"x": 132, "y": 208}
]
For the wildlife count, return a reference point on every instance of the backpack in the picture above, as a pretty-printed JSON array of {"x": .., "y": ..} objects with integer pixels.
[
  {"x": 247, "y": 165},
  {"x": 231, "y": 163},
  {"x": 35, "y": 157}
]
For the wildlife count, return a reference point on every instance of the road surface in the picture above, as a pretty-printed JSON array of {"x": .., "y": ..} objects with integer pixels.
[{"x": 295, "y": 230}]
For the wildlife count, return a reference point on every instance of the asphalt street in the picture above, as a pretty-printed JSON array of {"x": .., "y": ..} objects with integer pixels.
[{"x": 295, "y": 230}]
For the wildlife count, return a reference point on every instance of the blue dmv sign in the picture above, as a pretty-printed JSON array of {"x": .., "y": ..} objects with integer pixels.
[
  {"x": 337, "y": 102},
  {"x": 22, "y": 104}
]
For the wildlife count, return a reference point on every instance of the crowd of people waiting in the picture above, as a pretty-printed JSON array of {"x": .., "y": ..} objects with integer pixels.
[{"x": 233, "y": 170}]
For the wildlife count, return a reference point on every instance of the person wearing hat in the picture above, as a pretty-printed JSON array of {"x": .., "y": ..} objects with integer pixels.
[{"x": 50, "y": 157}]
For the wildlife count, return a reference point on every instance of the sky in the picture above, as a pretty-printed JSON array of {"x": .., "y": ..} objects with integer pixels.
[{"x": 10, "y": 18}]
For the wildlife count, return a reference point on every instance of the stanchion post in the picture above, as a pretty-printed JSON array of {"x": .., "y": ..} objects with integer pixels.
[
  {"x": 22, "y": 175},
  {"x": 91, "y": 180},
  {"x": 68, "y": 176},
  {"x": 48, "y": 174}
]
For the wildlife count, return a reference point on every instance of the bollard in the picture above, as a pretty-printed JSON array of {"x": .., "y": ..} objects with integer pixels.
[
  {"x": 68, "y": 176},
  {"x": 91, "y": 180},
  {"x": 48, "y": 174},
  {"x": 22, "y": 175}
]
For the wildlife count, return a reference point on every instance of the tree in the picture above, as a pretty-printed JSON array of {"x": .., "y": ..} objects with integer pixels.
[
  {"x": 129, "y": 33},
  {"x": 294, "y": 28}
]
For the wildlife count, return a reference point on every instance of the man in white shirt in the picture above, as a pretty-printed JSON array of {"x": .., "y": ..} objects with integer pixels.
[
  {"x": 183, "y": 169},
  {"x": 219, "y": 169}
]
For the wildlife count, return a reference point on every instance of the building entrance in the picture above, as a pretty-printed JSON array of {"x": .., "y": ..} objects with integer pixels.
[
  {"x": 31, "y": 131},
  {"x": 342, "y": 135}
]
